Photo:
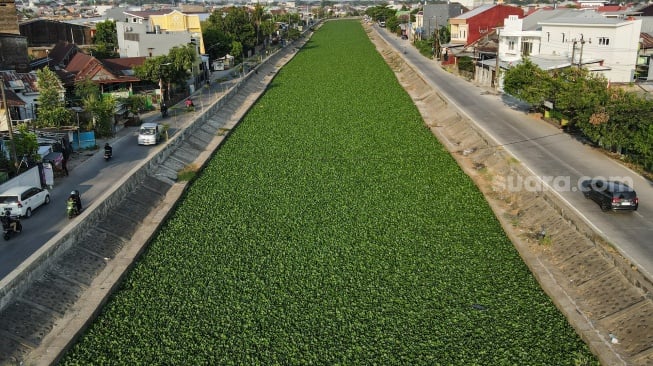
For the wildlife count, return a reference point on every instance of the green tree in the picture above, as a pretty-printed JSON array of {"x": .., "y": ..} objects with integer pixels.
[
  {"x": 51, "y": 107},
  {"x": 135, "y": 103},
  {"x": 578, "y": 94},
  {"x": 380, "y": 12},
  {"x": 643, "y": 145},
  {"x": 86, "y": 89},
  {"x": 526, "y": 81},
  {"x": 444, "y": 34},
  {"x": 267, "y": 28},
  {"x": 217, "y": 43},
  {"x": 238, "y": 26},
  {"x": 184, "y": 63},
  {"x": 26, "y": 143},
  {"x": 615, "y": 124},
  {"x": 466, "y": 64},
  {"x": 156, "y": 69},
  {"x": 105, "y": 40},
  {"x": 236, "y": 48},
  {"x": 100, "y": 107}
]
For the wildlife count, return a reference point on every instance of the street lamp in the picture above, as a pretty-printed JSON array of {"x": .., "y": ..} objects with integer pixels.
[{"x": 161, "y": 78}]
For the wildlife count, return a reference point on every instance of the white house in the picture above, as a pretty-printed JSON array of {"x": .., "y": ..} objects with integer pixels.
[
  {"x": 560, "y": 38},
  {"x": 605, "y": 45}
]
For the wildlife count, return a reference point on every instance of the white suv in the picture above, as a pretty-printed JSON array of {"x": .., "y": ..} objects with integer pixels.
[{"x": 21, "y": 201}]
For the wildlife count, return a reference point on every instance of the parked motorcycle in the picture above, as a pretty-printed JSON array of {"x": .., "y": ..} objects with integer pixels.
[
  {"x": 10, "y": 225},
  {"x": 73, "y": 204}
]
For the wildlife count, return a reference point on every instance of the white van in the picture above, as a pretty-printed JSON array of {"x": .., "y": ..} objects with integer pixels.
[{"x": 149, "y": 133}]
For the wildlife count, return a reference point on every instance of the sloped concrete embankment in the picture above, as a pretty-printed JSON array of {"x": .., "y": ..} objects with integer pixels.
[
  {"x": 50, "y": 299},
  {"x": 602, "y": 295}
]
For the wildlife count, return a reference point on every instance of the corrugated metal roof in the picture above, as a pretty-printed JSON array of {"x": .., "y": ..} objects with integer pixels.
[
  {"x": 23, "y": 82},
  {"x": 147, "y": 14},
  {"x": 583, "y": 17},
  {"x": 531, "y": 22},
  {"x": 647, "y": 40}
]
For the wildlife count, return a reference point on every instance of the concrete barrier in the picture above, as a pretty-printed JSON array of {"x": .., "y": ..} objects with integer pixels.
[{"x": 16, "y": 282}]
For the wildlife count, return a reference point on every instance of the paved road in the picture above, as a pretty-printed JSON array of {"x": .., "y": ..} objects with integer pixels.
[
  {"x": 555, "y": 157},
  {"x": 92, "y": 176}
]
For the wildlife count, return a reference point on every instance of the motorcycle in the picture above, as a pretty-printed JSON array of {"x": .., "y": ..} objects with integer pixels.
[
  {"x": 164, "y": 111},
  {"x": 73, "y": 205},
  {"x": 108, "y": 153},
  {"x": 7, "y": 229}
]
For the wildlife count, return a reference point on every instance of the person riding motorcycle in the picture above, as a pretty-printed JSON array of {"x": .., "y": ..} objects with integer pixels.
[
  {"x": 189, "y": 104},
  {"x": 164, "y": 109},
  {"x": 108, "y": 150},
  {"x": 75, "y": 201},
  {"x": 8, "y": 222}
]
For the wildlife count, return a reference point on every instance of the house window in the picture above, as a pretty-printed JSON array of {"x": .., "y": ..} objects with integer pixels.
[
  {"x": 548, "y": 36},
  {"x": 511, "y": 45},
  {"x": 604, "y": 41},
  {"x": 526, "y": 48},
  {"x": 563, "y": 38}
]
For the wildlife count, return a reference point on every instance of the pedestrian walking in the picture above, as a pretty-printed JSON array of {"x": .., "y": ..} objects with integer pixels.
[
  {"x": 64, "y": 166},
  {"x": 66, "y": 150}
]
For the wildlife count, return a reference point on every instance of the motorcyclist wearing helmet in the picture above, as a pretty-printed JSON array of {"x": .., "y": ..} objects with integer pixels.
[
  {"x": 74, "y": 196},
  {"x": 164, "y": 109},
  {"x": 8, "y": 221},
  {"x": 108, "y": 149}
]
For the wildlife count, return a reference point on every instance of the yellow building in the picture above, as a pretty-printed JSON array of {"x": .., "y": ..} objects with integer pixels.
[{"x": 177, "y": 21}]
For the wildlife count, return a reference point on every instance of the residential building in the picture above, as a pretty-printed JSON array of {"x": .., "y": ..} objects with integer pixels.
[
  {"x": 44, "y": 32},
  {"x": 471, "y": 4},
  {"x": 112, "y": 75},
  {"x": 472, "y": 25},
  {"x": 154, "y": 33},
  {"x": 177, "y": 21},
  {"x": 559, "y": 38},
  {"x": 8, "y": 17},
  {"x": 21, "y": 92},
  {"x": 605, "y": 45},
  {"x": 645, "y": 57},
  {"x": 521, "y": 37},
  {"x": 142, "y": 40},
  {"x": 13, "y": 52},
  {"x": 435, "y": 16}
]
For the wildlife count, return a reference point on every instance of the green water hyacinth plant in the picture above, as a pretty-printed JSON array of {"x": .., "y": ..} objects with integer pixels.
[{"x": 331, "y": 228}]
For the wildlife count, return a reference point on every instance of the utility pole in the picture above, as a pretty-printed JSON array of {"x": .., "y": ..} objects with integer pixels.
[
  {"x": 9, "y": 127},
  {"x": 496, "y": 65},
  {"x": 573, "y": 50},
  {"x": 580, "y": 57},
  {"x": 436, "y": 40}
]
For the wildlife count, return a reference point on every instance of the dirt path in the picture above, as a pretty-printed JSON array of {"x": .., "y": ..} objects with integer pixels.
[{"x": 603, "y": 297}]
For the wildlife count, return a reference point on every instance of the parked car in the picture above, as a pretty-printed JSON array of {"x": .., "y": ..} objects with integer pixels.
[
  {"x": 21, "y": 201},
  {"x": 611, "y": 195},
  {"x": 46, "y": 146},
  {"x": 149, "y": 133}
]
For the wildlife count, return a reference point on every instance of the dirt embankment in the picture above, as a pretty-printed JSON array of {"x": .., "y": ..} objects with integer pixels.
[{"x": 602, "y": 295}]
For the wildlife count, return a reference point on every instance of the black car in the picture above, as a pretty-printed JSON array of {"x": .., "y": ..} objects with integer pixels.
[{"x": 610, "y": 194}]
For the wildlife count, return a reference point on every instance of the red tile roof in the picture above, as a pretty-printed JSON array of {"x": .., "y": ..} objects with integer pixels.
[{"x": 109, "y": 71}]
